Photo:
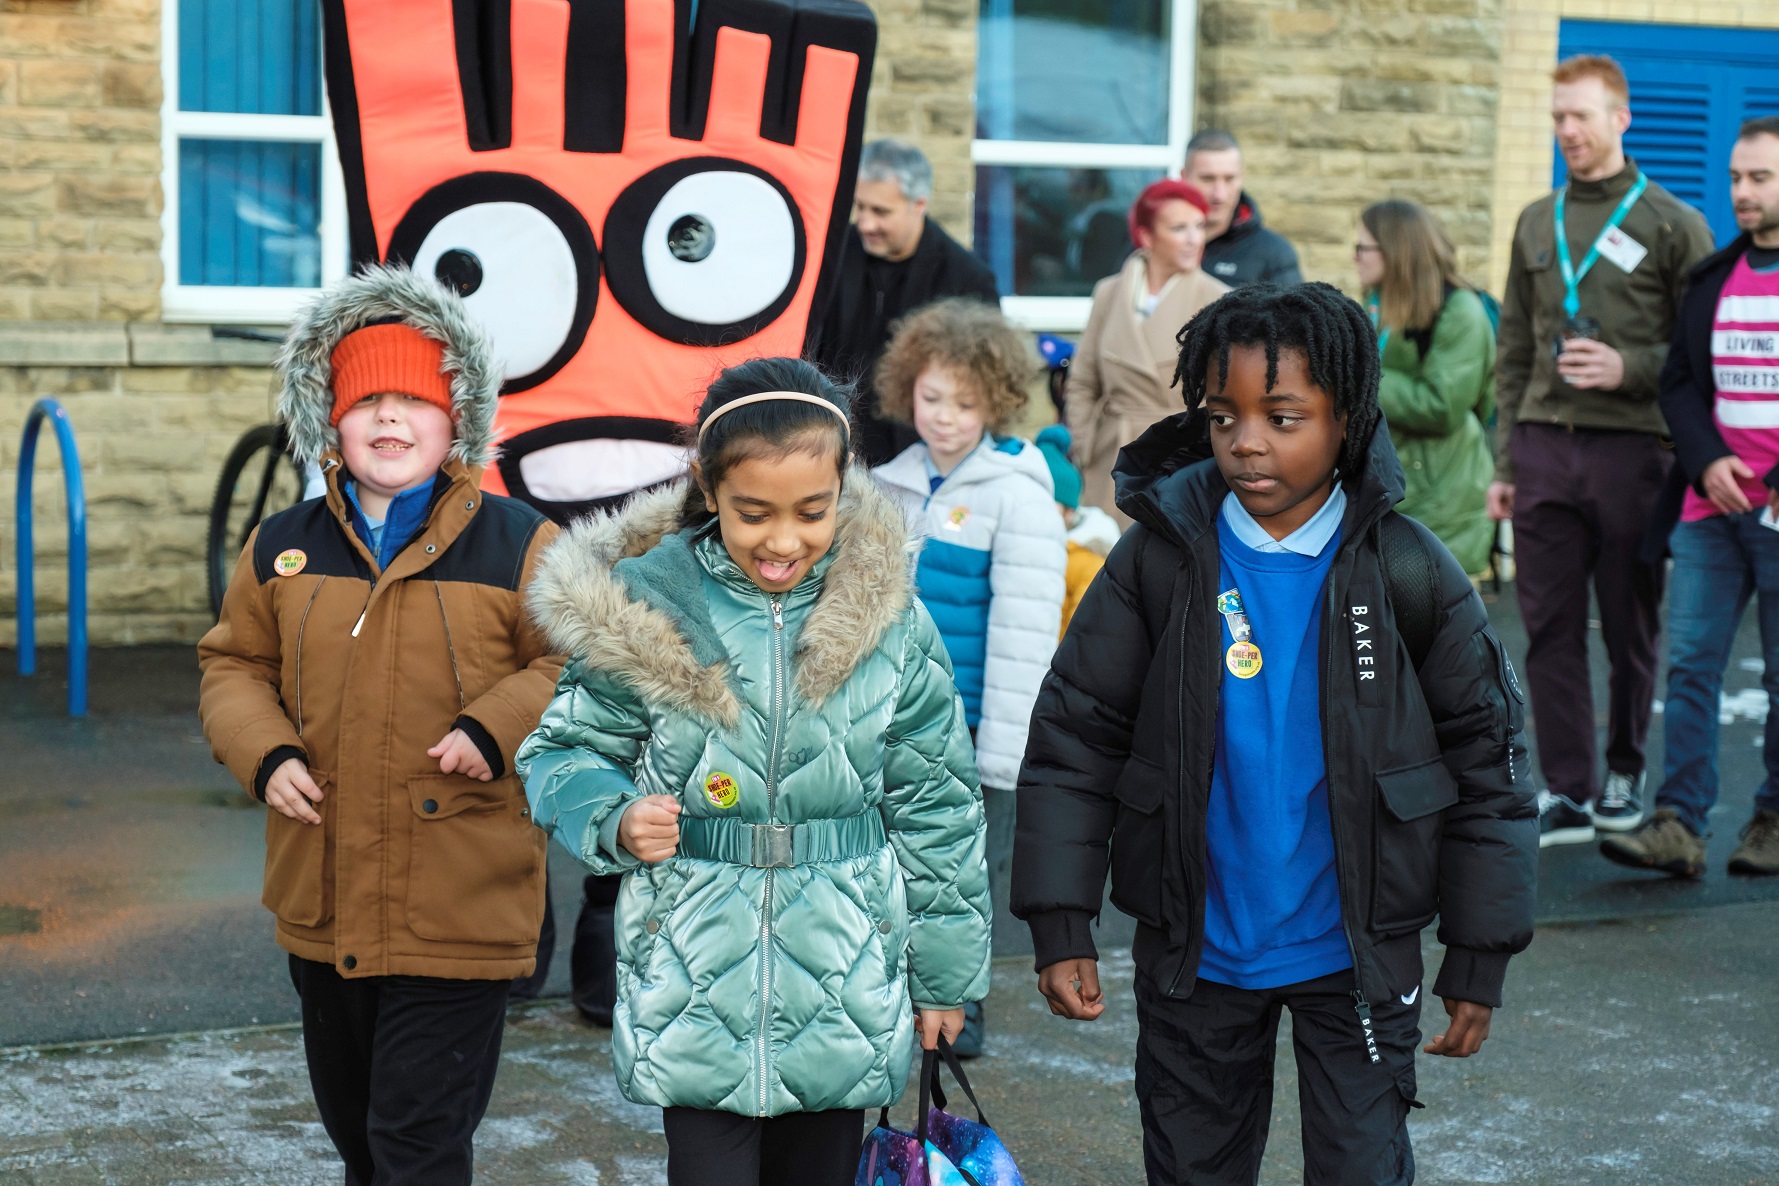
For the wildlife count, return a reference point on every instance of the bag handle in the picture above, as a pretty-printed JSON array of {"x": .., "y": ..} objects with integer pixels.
[
  {"x": 957, "y": 1072},
  {"x": 929, "y": 1082}
]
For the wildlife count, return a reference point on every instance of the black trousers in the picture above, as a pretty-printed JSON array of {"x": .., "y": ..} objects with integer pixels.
[
  {"x": 796, "y": 1149},
  {"x": 401, "y": 1067},
  {"x": 1205, "y": 1080}
]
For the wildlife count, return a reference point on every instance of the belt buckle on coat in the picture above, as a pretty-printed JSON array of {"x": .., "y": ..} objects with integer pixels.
[{"x": 773, "y": 846}]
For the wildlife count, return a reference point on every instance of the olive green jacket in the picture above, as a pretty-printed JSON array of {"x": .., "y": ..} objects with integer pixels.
[
  {"x": 1635, "y": 310},
  {"x": 1436, "y": 404},
  {"x": 749, "y": 987}
]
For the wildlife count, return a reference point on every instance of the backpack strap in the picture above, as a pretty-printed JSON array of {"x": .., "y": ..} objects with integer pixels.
[{"x": 1411, "y": 578}]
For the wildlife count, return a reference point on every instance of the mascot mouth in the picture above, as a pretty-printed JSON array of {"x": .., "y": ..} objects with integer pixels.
[{"x": 572, "y": 468}]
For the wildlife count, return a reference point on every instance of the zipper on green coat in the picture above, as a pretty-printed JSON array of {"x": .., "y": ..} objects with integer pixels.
[{"x": 778, "y": 699}]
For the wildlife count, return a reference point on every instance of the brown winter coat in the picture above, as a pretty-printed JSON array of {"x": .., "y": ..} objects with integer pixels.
[
  {"x": 1121, "y": 378},
  {"x": 412, "y": 872},
  {"x": 359, "y": 671}
]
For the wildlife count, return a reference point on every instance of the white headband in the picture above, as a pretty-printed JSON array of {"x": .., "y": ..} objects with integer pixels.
[{"x": 762, "y": 397}]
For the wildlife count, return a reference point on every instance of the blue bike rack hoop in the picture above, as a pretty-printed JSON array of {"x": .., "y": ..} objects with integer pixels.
[{"x": 49, "y": 409}]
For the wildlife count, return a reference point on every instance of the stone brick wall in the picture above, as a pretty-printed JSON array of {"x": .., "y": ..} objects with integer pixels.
[
  {"x": 923, "y": 90},
  {"x": 1525, "y": 153},
  {"x": 155, "y": 410},
  {"x": 1339, "y": 103},
  {"x": 80, "y": 159}
]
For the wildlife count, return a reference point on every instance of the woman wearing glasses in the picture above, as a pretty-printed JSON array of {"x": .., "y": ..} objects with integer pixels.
[{"x": 1437, "y": 336}]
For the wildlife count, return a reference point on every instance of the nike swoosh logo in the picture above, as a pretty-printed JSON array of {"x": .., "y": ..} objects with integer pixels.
[{"x": 1410, "y": 998}]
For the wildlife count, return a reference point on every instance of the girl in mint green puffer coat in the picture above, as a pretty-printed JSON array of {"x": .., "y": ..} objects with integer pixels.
[{"x": 758, "y": 724}]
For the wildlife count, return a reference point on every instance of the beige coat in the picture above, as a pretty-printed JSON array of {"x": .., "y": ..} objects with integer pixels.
[{"x": 1121, "y": 380}]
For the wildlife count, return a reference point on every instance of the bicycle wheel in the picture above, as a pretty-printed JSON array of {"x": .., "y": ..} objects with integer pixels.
[{"x": 259, "y": 478}]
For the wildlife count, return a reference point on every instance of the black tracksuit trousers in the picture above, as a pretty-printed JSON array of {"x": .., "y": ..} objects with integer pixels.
[
  {"x": 706, "y": 1148},
  {"x": 1205, "y": 1079},
  {"x": 402, "y": 1068}
]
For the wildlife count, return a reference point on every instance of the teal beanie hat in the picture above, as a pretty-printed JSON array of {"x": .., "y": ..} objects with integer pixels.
[{"x": 1054, "y": 443}]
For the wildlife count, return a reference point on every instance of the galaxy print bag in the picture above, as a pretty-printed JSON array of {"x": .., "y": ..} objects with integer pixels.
[{"x": 943, "y": 1150}]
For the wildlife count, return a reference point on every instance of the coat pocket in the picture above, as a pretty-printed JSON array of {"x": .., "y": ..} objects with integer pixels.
[
  {"x": 299, "y": 885},
  {"x": 475, "y": 862},
  {"x": 1406, "y": 838},
  {"x": 1139, "y": 841}
]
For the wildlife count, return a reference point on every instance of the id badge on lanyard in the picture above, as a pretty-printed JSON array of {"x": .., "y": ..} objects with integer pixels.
[{"x": 1572, "y": 276}]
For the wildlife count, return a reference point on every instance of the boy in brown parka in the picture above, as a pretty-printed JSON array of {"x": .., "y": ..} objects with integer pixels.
[{"x": 371, "y": 678}]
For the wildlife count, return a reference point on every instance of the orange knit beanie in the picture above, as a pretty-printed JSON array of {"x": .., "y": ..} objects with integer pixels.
[{"x": 390, "y": 357}]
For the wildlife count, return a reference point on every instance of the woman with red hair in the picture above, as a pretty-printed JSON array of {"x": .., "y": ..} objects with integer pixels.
[{"x": 1124, "y": 365}]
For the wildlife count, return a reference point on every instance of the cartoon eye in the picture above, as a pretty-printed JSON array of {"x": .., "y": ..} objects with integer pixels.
[
  {"x": 521, "y": 257},
  {"x": 704, "y": 250}
]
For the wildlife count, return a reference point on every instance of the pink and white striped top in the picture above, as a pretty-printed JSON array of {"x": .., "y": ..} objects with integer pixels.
[{"x": 1745, "y": 363}]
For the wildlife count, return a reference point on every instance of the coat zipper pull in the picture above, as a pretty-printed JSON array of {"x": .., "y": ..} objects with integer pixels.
[
  {"x": 1363, "y": 1009},
  {"x": 360, "y": 623},
  {"x": 777, "y": 616}
]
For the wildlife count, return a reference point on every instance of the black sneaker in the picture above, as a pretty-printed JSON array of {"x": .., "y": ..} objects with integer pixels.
[
  {"x": 1621, "y": 803},
  {"x": 1562, "y": 821}
]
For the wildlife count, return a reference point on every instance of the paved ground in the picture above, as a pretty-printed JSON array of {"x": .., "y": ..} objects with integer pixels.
[
  {"x": 1642, "y": 1052},
  {"x": 1639, "y": 1039}
]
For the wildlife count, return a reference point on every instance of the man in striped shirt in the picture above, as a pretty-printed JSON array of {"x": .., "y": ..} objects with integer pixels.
[{"x": 1720, "y": 395}]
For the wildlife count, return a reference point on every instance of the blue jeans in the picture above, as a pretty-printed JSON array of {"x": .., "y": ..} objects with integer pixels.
[{"x": 1718, "y": 563}]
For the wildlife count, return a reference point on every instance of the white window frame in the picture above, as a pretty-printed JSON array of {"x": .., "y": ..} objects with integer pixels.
[
  {"x": 239, "y": 305},
  {"x": 1069, "y": 314}
]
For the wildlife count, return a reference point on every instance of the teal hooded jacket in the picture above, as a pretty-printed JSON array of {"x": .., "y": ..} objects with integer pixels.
[{"x": 764, "y": 969}]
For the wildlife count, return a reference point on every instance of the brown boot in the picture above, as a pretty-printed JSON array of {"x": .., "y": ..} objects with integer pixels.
[
  {"x": 1662, "y": 842},
  {"x": 1758, "y": 854}
]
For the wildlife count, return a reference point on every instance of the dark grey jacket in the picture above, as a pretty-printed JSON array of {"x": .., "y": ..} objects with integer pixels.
[
  {"x": 1250, "y": 252},
  {"x": 1428, "y": 787}
]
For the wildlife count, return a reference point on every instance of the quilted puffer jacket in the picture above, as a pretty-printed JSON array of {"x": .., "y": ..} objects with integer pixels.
[
  {"x": 765, "y": 968},
  {"x": 991, "y": 572}
]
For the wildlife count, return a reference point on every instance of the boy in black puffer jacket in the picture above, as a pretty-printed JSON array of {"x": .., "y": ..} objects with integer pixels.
[{"x": 1283, "y": 711}]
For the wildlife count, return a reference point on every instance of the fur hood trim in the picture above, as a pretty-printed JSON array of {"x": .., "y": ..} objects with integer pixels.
[
  {"x": 374, "y": 294},
  {"x": 662, "y": 647}
]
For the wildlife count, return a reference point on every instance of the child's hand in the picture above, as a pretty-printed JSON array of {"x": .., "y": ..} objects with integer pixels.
[
  {"x": 457, "y": 754},
  {"x": 1073, "y": 989},
  {"x": 290, "y": 790},
  {"x": 1465, "y": 1035},
  {"x": 932, "y": 1022},
  {"x": 649, "y": 828}
]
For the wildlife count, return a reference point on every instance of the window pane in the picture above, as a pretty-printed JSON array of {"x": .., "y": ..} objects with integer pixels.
[
  {"x": 261, "y": 57},
  {"x": 250, "y": 213},
  {"x": 1055, "y": 232},
  {"x": 1092, "y": 71}
]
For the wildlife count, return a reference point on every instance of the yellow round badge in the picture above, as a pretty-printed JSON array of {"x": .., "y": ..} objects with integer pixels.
[
  {"x": 1243, "y": 660},
  {"x": 721, "y": 790},
  {"x": 290, "y": 562}
]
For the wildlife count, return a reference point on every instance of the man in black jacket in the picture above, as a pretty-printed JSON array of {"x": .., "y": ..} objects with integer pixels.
[
  {"x": 895, "y": 259},
  {"x": 1412, "y": 802},
  {"x": 1720, "y": 397},
  {"x": 1239, "y": 247}
]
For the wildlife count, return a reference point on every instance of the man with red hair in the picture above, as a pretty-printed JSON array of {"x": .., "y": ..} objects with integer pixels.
[{"x": 1593, "y": 288}]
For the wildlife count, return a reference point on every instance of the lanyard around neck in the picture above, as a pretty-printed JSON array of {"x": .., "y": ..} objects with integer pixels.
[
  {"x": 1572, "y": 276},
  {"x": 1383, "y": 332}
]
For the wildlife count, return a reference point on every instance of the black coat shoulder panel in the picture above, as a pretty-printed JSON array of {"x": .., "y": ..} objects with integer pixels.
[
  {"x": 310, "y": 528},
  {"x": 491, "y": 550}
]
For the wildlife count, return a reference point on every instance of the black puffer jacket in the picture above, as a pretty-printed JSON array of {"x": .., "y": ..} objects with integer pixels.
[{"x": 1428, "y": 788}]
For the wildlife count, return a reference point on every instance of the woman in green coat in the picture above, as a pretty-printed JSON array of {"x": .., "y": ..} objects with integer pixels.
[
  {"x": 1438, "y": 389},
  {"x": 758, "y": 724}
]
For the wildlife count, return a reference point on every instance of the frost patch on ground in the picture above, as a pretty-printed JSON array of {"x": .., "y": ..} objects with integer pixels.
[{"x": 642, "y": 1171}]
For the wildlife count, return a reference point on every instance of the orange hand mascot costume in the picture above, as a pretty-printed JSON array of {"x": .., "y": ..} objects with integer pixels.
[{"x": 629, "y": 194}]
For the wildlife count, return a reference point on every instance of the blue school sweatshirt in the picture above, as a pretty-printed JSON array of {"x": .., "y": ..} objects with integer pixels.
[{"x": 1272, "y": 906}]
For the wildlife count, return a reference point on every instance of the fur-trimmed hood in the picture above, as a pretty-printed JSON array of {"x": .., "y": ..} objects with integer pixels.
[
  {"x": 647, "y": 622},
  {"x": 372, "y": 295}
]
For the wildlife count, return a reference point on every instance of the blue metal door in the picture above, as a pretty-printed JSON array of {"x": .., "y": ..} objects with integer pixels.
[{"x": 1691, "y": 88}]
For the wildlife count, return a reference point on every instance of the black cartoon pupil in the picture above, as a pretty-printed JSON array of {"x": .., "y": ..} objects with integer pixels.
[
  {"x": 459, "y": 270},
  {"x": 691, "y": 238}
]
